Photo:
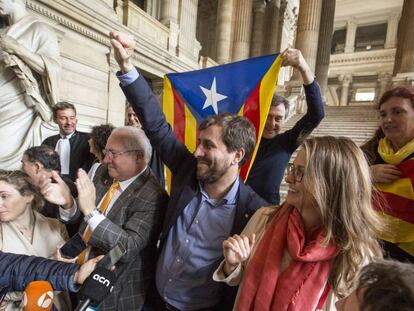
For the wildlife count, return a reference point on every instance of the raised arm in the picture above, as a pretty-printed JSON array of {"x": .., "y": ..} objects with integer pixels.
[
  {"x": 315, "y": 112},
  {"x": 146, "y": 106}
]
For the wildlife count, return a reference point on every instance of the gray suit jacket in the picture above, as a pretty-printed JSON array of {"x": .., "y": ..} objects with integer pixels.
[{"x": 134, "y": 221}]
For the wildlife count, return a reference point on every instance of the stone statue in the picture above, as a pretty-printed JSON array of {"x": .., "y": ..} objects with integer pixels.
[{"x": 29, "y": 74}]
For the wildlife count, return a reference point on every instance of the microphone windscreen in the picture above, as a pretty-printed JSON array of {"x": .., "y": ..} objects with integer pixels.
[
  {"x": 38, "y": 295},
  {"x": 98, "y": 285}
]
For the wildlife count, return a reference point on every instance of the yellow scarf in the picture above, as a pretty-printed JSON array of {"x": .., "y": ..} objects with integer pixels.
[{"x": 387, "y": 153}]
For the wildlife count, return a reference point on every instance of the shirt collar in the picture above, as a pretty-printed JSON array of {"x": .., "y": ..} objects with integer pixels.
[
  {"x": 229, "y": 198},
  {"x": 125, "y": 183},
  {"x": 68, "y": 136}
]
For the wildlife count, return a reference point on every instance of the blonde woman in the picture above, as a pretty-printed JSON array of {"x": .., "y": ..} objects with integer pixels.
[
  {"x": 25, "y": 231},
  {"x": 306, "y": 253}
]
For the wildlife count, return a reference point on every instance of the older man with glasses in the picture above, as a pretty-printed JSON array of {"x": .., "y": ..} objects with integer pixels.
[{"x": 124, "y": 206}]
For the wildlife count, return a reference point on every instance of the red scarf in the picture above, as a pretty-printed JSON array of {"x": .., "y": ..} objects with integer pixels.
[{"x": 300, "y": 285}]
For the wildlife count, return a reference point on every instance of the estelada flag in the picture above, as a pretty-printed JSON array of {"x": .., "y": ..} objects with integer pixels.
[{"x": 245, "y": 88}]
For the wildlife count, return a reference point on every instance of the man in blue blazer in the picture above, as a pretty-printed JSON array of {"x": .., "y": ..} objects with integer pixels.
[{"x": 208, "y": 200}]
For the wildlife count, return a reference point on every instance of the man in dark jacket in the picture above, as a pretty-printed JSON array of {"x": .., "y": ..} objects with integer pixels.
[
  {"x": 276, "y": 148},
  {"x": 71, "y": 145},
  {"x": 208, "y": 201}
]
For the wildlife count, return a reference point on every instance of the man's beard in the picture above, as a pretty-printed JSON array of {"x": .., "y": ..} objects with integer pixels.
[{"x": 213, "y": 173}]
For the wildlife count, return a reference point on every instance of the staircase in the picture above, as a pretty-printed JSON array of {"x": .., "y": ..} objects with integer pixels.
[{"x": 355, "y": 122}]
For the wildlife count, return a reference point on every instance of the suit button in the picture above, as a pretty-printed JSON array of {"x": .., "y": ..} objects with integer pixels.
[{"x": 246, "y": 215}]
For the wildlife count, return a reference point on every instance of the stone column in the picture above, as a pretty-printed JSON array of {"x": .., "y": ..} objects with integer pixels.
[
  {"x": 346, "y": 81},
  {"x": 188, "y": 45},
  {"x": 223, "y": 31},
  {"x": 308, "y": 30},
  {"x": 116, "y": 99},
  {"x": 383, "y": 84},
  {"x": 350, "y": 36},
  {"x": 242, "y": 29},
  {"x": 404, "y": 60},
  {"x": 169, "y": 17},
  {"x": 258, "y": 30},
  {"x": 324, "y": 44},
  {"x": 275, "y": 25},
  {"x": 392, "y": 27},
  {"x": 157, "y": 88},
  {"x": 169, "y": 12}
]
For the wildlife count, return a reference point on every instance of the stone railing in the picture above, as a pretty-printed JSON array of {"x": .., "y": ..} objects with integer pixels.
[
  {"x": 145, "y": 25},
  {"x": 362, "y": 62}
]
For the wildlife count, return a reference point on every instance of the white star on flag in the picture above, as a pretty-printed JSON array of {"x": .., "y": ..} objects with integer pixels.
[{"x": 212, "y": 97}]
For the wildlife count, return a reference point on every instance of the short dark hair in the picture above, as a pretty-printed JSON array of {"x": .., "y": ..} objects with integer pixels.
[
  {"x": 45, "y": 155},
  {"x": 100, "y": 135},
  {"x": 62, "y": 106},
  {"x": 280, "y": 100},
  {"x": 399, "y": 91},
  {"x": 238, "y": 132},
  {"x": 388, "y": 285}
]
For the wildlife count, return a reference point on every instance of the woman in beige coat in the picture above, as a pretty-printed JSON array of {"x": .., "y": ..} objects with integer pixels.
[{"x": 25, "y": 231}]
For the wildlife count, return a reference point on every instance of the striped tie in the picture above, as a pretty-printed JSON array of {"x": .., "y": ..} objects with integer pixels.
[{"x": 88, "y": 232}]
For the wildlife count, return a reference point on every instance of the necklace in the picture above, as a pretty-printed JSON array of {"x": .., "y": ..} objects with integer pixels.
[{"x": 28, "y": 232}]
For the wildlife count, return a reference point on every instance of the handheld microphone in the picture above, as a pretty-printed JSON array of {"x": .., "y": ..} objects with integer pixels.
[
  {"x": 38, "y": 296},
  {"x": 96, "y": 287}
]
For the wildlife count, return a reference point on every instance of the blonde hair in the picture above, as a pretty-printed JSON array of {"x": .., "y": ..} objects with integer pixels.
[{"x": 338, "y": 177}]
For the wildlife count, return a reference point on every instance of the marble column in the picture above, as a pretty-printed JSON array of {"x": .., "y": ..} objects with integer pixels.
[
  {"x": 308, "y": 30},
  {"x": 274, "y": 31},
  {"x": 258, "y": 30},
  {"x": 350, "y": 36},
  {"x": 383, "y": 84},
  {"x": 346, "y": 81},
  {"x": 169, "y": 17},
  {"x": 324, "y": 44},
  {"x": 405, "y": 47},
  {"x": 223, "y": 31},
  {"x": 392, "y": 27},
  {"x": 242, "y": 29},
  {"x": 188, "y": 45},
  {"x": 169, "y": 12}
]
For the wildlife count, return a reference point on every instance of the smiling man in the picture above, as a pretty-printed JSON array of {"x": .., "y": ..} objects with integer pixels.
[
  {"x": 71, "y": 145},
  {"x": 208, "y": 200},
  {"x": 125, "y": 205},
  {"x": 275, "y": 149}
]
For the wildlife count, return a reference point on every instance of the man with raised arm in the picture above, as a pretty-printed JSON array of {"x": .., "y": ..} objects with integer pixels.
[{"x": 208, "y": 200}]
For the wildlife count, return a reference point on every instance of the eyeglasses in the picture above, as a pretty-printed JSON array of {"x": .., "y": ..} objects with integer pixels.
[
  {"x": 109, "y": 154},
  {"x": 297, "y": 171}
]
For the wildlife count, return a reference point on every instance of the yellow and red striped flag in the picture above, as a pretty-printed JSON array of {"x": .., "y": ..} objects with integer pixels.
[
  {"x": 398, "y": 213},
  {"x": 245, "y": 88}
]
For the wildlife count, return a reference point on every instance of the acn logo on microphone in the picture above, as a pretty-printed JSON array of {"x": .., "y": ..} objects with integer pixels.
[{"x": 102, "y": 280}]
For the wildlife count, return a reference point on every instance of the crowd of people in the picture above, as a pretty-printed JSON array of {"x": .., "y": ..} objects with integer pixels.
[{"x": 215, "y": 242}]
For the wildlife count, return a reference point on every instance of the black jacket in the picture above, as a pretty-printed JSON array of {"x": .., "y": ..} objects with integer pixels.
[{"x": 80, "y": 157}]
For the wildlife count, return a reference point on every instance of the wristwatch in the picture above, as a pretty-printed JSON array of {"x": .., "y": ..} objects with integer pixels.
[{"x": 90, "y": 215}]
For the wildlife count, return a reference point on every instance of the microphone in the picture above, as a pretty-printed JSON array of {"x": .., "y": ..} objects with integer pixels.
[
  {"x": 38, "y": 296},
  {"x": 96, "y": 288}
]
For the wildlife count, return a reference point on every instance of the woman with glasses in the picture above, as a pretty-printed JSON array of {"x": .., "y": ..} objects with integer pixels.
[
  {"x": 306, "y": 253},
  {"x": 25, "y": 231},
  {"x": 391, "y": 156}
]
